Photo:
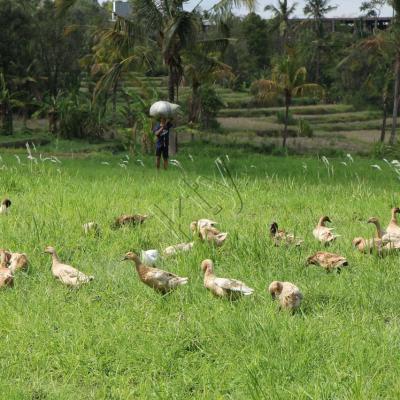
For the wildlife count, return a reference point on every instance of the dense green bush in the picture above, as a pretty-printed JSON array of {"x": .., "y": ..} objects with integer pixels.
[
  {"x": 305, "y": 129},
  {"x": 281, "y": 116},
  {"x": 210, "y": 104}
]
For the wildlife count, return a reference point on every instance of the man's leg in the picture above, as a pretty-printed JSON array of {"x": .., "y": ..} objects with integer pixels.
[{"x": 158, "y": 162}]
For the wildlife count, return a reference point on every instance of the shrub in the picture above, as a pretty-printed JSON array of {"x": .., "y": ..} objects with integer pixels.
[
  {"x": 210, "y": 104},
  {"x": 280, "y": 116},
  {"x": 305, "y": 129}
]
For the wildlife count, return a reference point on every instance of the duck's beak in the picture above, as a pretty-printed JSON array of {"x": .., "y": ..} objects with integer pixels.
[{"x": 123, "y": 259}]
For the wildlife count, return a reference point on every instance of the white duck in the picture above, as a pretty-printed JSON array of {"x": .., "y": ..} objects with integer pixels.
[
  {"x": 149, "y": 257},
  {"x": 91, "y": 227},
  {"x": 68, "y": 275},
  {"x": 223, "y": 287},
  {"x": 322, "y": 233}
]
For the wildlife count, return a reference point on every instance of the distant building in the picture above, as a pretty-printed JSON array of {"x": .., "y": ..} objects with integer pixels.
[
  {"x": 121, "y": 9},
  {"x": 364, "y": 23}
]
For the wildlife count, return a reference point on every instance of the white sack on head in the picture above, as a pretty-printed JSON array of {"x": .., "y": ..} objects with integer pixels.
[{"x": 163, "y": 109}]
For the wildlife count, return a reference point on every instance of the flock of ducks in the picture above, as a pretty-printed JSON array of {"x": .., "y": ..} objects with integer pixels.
[{"x": 288, "y": 294}]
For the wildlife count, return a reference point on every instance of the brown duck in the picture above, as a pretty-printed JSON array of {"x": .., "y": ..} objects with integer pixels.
[
  {"x": 328, "y": 261},
  {"x": 159, "y": 280},
  {"x": 132, "y": 220}
]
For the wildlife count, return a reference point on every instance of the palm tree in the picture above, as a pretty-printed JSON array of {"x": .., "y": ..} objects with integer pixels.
[
  {"x": 317, "y": 9},
  {"x": 288, "y": 80},
  {"x": 202, "y": 66},
  {"x": 395, "y": 31},
  {"x": 281, "y": 15}
]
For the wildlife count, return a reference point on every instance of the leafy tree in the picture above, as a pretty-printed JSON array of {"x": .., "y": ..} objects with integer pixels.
[
  {"x": 395, "y": 33},
  {"x": 254, "y": 30},
  {"x": 281, "y": 16},
  {"x": 317, "y": 10},
  {"x": 288, "y": 80}
]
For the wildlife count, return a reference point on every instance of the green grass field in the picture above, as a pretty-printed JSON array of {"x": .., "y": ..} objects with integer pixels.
[{"x": 117, "y": 339}]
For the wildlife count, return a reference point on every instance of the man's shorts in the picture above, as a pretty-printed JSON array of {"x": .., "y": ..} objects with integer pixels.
[{"x": 162, "y": 150}]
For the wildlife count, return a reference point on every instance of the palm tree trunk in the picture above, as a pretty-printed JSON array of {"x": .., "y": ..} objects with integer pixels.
[
  {"x": 384, "y": 118},
  {"x": 285, "y": 130},
  {"x": 171, "y": 85},
  {"x": 393, "y": 138}
]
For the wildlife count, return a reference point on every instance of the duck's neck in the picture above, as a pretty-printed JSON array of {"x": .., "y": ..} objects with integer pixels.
[
  {"x": 139, "y": 265},
  {"x": 379, "y": 232},
  {"x": 209, "y": 274},
  {"x": 321, "y": 222},
  {"x": 394, "y": 218},
  {"x": 55, "y": 258}
]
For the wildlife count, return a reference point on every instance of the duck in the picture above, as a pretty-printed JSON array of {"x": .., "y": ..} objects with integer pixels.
[
  {"x": 18, "y": 262},
  {"x": 279, "y": 236},
  {"x": 161, "y": 281},
  {"x": 5, "y": 206},
  {"x": 125, "y": 219},
  {"x": 202, "y": 223},
  {"x": 223, "y": 287},
  {"x": 6, "y": 276},
  {"x": 209, "y": 235},
  {"x": 393, "y": 229},
  {"x": 367, "y": 245},
  {"x": 149, "y": 257},
  {"x": 380, "y": 233},
  {"x": 322, "y": 233},
  {"x": 91, "y": 227},
  {"x": 66, "y": 274},
  {"x": 288, "y": 294},
  {"x": 328, "y": 261},
  {"x": 177, "y": 248}
]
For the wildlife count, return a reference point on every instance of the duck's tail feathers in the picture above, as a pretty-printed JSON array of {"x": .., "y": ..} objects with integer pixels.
[{"x": 181, "y": 281}]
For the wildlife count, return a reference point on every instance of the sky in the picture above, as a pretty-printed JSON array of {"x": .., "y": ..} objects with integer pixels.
[{"x": 346, "y": 8}]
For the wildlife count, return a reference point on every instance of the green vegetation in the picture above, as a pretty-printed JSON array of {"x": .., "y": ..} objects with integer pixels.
[{"x": 116, "y": 338}]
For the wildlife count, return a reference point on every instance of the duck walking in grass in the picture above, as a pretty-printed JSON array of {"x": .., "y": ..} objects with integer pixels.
[
  {"x": 380, "y": 233},
  {"x": 279, "y": 236},
  {"x": 393, "y": 229},
  {"x": 210, "y": 235},
  {"x": 159, "y": 280},
  {"x": 328, "y": 261},
  {"x": 202, "y": 223},
  {"x": 223, "y": 287},
  {"x": 287, "y": 293},
  {"x": 18, "y": 262},
  {"x": 322, "y": 233},
  {"x": 133, "y": 220},
  {"x": 5, "y": 206},
  {"x": 66, "y": 274},
  {"x": 178, "y": 248},
  {"x": 367, "y": 245},
  {"x": 6, "y": 276},
  {"x": 91, "y": 228}
]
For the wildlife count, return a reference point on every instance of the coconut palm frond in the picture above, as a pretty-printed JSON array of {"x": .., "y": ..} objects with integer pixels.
[
  {"x": 62, "y": 6},
  {"x": 309, "y": 89}
]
